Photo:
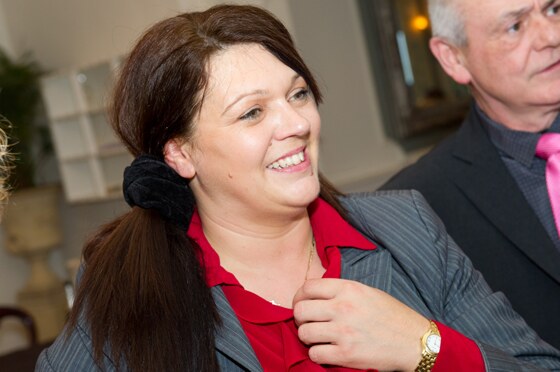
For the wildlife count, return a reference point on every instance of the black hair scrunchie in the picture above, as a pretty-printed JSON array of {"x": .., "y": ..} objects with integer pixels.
[{"x": 150, "y": 183}]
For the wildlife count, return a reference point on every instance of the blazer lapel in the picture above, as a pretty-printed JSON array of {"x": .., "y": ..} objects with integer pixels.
[
  {"x": 476, "y": 171},
  {"x": 230, "y": 338},
  {"x": 373, "y": 270}
]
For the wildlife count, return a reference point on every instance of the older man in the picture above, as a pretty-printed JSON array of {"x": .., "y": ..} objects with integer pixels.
[{"x": 486, "y": 181}]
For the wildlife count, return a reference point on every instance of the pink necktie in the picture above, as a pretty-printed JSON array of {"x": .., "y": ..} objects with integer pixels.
[{"x": 549, "y": 148}]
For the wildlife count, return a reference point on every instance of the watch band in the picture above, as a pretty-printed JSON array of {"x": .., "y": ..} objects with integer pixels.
[
  {"x": 428, "y": 355},
  {"x": 427, "y": 363}
]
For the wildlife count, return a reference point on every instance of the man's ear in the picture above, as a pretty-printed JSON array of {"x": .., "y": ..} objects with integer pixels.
[
  {"x": 178, "y": 157},
  {"x": 451, "y": 60}
]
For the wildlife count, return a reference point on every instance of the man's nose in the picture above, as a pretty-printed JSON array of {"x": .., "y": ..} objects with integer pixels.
[{"x": 547, "y": 33}]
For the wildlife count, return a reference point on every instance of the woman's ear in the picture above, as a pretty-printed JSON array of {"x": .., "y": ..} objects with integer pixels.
[
  {"x": 451, "y": 59},
  {"x": 178, "y": 157}
]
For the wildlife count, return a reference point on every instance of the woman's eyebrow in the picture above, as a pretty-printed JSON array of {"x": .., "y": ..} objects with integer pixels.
[
  {"x": 254, "y": 92},
  {"x": 243, "y": 95}
]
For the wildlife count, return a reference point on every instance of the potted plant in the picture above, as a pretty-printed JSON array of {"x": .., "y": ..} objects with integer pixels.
[
  {"x": 20, "y": 104},
  {"x": 31, "y": 222}
]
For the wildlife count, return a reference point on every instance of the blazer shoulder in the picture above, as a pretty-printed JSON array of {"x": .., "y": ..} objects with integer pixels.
[
  {"x": 377, "y": 205},
  {"x": 73, "y": 351},
  {"x": 400, "y": 219},
  {"x": 428, "y": 170},
  {"x": 440, "y": 166},
  {"x": 402, "y": 222}
]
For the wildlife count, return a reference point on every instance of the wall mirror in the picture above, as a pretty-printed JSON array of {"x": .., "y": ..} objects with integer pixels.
[{"x": 416, "y": 96}]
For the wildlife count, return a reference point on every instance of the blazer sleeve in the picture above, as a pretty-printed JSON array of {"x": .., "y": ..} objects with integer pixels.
[
  {"x": 470, "y": 306},
  {"x": 73, "y": 350},
  {"x": 71, "y": 354},
  {"x": 454, "y": 293}
]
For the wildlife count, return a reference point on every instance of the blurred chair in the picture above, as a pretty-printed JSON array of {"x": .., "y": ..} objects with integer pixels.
[
  {"x": 22, "y": 360},
  {"x": 24, "y": 317}
]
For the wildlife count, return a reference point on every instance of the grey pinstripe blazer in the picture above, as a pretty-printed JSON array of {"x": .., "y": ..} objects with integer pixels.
[{"x": 416, "y": 262}]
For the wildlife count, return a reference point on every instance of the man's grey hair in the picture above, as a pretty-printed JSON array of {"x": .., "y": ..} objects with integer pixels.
[{"x": 447, "y": 21}]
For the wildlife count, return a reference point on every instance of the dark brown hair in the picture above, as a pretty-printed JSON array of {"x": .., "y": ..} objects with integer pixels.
[{"x": 143, "y": 292}]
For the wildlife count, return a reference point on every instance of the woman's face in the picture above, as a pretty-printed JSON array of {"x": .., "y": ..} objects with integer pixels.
[{"x": 255, "y": 146}]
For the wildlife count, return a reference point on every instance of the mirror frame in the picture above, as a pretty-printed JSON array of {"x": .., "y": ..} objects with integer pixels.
[{"x": 402, "y": 119}]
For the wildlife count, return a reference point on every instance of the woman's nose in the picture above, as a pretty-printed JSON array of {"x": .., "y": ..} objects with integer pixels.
[{"x": 291, "y": 123}]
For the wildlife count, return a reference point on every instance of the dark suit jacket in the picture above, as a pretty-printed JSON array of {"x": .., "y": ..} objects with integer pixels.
[
  {"x": 415, "y": 262},
  {"x": 485, "y": 212}
]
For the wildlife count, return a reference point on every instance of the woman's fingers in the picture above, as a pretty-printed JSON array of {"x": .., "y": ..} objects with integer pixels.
[
  {"x": 315, "y": 289},
  {"x": 350, "y": 324}
]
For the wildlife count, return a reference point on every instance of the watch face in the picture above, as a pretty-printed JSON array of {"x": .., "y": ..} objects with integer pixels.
[{"x": 433, "y": 342}]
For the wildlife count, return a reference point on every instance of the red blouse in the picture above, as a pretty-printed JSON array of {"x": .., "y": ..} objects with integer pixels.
[{"x": 271, "y": 329}]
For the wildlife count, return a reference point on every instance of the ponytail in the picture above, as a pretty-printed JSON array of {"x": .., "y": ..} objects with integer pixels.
[{"x": 143, "y": 293}]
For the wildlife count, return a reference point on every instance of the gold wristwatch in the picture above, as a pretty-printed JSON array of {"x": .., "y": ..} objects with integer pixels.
[{"x": 431, "y": 342}]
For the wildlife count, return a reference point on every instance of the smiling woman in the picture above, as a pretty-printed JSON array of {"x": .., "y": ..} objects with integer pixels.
[
  {"x": 256, "y": 119},
  {"x": 238, "y": 256}
]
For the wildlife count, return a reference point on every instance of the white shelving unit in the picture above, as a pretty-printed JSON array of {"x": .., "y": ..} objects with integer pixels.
[{"x": 90, "y": 156}]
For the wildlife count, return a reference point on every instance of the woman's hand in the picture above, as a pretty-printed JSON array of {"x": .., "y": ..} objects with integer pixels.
[{"x": 349, "y": 324}]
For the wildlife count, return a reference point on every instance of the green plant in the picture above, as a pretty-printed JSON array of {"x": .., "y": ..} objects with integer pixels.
[{"x": 20, "y": 104}]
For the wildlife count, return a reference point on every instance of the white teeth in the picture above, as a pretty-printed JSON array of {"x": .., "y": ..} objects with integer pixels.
[{"x": 288, "y": 161}]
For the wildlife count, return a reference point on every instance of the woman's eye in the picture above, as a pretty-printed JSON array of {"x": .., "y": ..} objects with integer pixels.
[
  {"x": 251, "y": 115},
  {"x": 301, "y": 95}
]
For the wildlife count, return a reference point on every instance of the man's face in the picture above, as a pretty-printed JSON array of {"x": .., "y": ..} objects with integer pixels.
[{"x": 512, "y": 60}]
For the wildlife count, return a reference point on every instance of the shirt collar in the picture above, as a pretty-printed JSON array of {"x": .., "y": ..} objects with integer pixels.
[
  {"x": 329, "y": 229},
  {"x": 518, "y": 145}
]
